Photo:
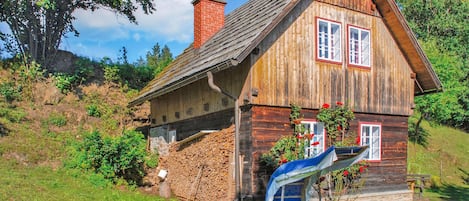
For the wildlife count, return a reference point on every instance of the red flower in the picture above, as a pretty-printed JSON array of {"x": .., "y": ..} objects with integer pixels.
[
  {"x": 284, "y": 160},
  {"x": 357, "y": 140},
  {"x": 346, "y": 173},
  {"x": 339, "y": 103},
  {"x": 339, "y": 128},
  {"x": 299, "y": 136},
  {"x": 314, "y": 143},
  {"x": 310, "y": 136},
  {"x": 326, "y": 106},
  {"x": 362, "y": 169}
]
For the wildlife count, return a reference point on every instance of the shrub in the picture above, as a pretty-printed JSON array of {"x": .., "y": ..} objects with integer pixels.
[
  {"x": 93, "y": 110},
  {"x": 111, "y": 74},
  {"x": 13, "y": 115},
  {"x": 58, "y": 120},
  {"x": 9, "y": 91},
  {"x": 152, "y": 160},
  {"x": 115, "y": 158},
  {"x": 85, "y": 69},
  {"x": 64, "y": 82}
]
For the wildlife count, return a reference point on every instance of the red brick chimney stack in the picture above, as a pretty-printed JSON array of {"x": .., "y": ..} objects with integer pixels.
[{"x": 209, "y": 18}]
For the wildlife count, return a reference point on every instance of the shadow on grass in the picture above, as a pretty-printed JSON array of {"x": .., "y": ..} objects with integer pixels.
[
  {"x": 452, "y": 192},
  {"x": 3, "y": 131},
  {"x": 465, "y": 177}
]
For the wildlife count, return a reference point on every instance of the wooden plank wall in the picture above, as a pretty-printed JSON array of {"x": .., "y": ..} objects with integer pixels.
[
  {"x": 364, "y": 6},
  {"x": 198, "y": 99},
  {"x": 287, "y": 72},
  {"x": 268, "y": 124}
]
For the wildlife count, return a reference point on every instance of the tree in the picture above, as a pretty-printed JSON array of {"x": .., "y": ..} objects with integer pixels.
[
  {"x": 38, "y": 26},
  {"x": 442, "y": 27},
  {"x": 159, "y": 58}
]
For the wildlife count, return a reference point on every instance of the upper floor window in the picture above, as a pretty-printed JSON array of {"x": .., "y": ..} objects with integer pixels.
[
  {"x": 329, "y": 40},
  {"x": 371, "y": 136},
  {"x": 317, "y": 142},
  {"x": 359, "y": 46}
]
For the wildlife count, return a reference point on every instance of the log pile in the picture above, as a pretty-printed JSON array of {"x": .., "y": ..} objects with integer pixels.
[{"x": 200, "y": 169}]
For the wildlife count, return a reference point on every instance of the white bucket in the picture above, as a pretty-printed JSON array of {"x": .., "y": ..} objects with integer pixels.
[{"x": 162, "y": 174}]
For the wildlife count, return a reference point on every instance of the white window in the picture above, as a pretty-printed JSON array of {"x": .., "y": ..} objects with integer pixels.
[
  {"x": 371, "y": 136},
  {"x": 317, "y": 143},
  {"x": 329, "y": 40},
  {"x": 359, "y": 46}
]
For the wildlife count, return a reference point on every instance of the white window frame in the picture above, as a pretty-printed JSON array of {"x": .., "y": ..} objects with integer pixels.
[
  {"x": 367, "y": 135},
  {"x": 359, "y": 46},
  {"x": 328, "y": 48},
  {"x": 312, "y": 151}
]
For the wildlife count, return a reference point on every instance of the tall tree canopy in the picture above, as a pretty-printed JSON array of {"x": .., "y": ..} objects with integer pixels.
[
  {"x": 159, "y": 58},
  {"x": 442, "y": 26},
  {"x": 38, "y": 25}
]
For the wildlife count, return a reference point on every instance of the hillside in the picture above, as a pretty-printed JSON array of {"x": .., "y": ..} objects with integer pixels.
[
  {"x": 40, "y": 125},
  {"x": 446, "y": 158}
]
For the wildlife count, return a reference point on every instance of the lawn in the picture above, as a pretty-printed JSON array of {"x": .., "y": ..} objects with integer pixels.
[
  {"x": 20, "y": 182},
  {"x": 447, "y": 159}
]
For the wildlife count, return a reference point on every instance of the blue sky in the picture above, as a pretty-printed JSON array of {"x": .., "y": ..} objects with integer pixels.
[{"x": 103, "y": 33}]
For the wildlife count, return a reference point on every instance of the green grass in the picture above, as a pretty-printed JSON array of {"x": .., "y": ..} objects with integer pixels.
[
  {"x": 446, "y": 158},
  {"x": 20, "y": 182}
]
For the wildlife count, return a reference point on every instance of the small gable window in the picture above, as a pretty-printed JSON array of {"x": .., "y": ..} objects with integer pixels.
[
  {"x": 359, "y": 47},
  {"x": 316, "y": 142},
  {"x": 371, "y": 136},
  {"x": 328, "y": 40}
]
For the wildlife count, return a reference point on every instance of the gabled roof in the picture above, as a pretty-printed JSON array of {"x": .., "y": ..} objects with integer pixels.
[{"x": 248, "y": 25}]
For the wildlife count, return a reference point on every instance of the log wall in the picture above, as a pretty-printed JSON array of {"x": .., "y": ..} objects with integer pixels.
[{"x": 268, "y": 124}]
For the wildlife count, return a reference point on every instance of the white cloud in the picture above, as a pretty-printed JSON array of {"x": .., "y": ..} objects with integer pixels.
[
  {"x": 172, "y": 21},
  {"x": 136, "y": 37}
]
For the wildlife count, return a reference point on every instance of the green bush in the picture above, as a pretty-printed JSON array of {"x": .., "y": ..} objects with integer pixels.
[
  {"x": 115, "y": 158},
  {"x": 93, "y": 110},
  {"x": 152, "y": 160},
  {"x": 85, "y": 69},
  {"x": 13, "y": 115},
  {"x": 111, "y": 74},
  {"x": 58, "y": 120},
  {"x": 64, "y": 82},
  {"x": 9, "y": 91}
]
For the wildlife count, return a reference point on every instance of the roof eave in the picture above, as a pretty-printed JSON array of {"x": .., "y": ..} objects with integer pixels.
[
  {"x": 389, "y": 9},
  {"x": 183, "y": 82}
]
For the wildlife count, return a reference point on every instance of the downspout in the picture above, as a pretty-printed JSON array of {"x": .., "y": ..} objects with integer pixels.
[{"x": 237, "y": 120}]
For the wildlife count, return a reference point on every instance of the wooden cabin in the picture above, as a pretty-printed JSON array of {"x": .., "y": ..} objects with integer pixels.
[{"x": 269, "y": 54}]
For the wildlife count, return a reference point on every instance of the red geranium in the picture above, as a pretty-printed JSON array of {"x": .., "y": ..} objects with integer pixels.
[
  {"x": 314, "y": 143},
  {"x": 346, "y": 173},
  {"x": 339, "y": 103},
  {"x": 326, "y": 106},
  {"x": 299, "y": 136},
  {"x": 362, "y": 169},
  {"x": 357, "y": 140}
]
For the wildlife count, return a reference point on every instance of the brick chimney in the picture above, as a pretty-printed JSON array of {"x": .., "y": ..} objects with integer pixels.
[{"x": 209, "y": 18}]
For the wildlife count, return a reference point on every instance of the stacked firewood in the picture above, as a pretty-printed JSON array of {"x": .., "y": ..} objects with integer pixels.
[{"x": 200, "y": 169}]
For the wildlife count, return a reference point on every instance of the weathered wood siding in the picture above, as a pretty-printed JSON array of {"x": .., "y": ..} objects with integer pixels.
[
  {"x": 364, "y": 6},
  {"x": 267, "y": 124},
  {"x": 286, "y": 70},
  {"x": 198, "y": 99}
]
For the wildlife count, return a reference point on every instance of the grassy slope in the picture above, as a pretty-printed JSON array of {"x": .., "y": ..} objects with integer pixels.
[
  {"x": 446, "y": 158},
  {"x": 34, "y": 147}
]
